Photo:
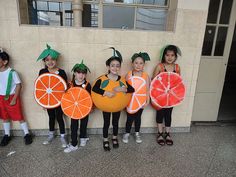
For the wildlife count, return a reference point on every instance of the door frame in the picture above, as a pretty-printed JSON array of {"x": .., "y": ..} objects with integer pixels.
[{"x": 222, "y": 59}]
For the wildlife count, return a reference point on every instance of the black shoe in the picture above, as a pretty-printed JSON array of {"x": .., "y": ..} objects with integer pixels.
[
  {"x": 115, "y": 143},
  {"x": 168, "y": 139},
  {"x": 106, "y": 146},
  {"x": 161, "y": 139},
  {"x": 28, "y": 139},
  {"x": 5, "y": 140}
]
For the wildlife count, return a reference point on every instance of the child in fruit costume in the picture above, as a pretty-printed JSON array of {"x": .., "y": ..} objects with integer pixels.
[
  {"x": 168, "y": 57},
  {"x": 111, "y": 79},
  {"x": 49, "y": 57},
  {"x": 79, "y": 80},
  {"x": 140, "y": 96},
  {"x": 10, "y": 103}
]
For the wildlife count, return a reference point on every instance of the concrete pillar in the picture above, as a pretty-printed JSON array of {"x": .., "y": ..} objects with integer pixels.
[{"x": 77, "y": 7}]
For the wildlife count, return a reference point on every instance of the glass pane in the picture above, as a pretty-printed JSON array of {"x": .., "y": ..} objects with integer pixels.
[
  {"x": 213, "y": 11},
  {"x": 90, "y": 15},
  {"x": 220, "y": 41},
  {"x": 49, "y": 18},
  {"x": 42, "y": 5},
  {"x": 32, "y": 13},
  {"x": 208, "y": 40},
  {"x": 124, "y": 17},
  {"x": 67, "y": 6},
  {"x": 68, "y": 18},
  {"x": 151, "y": 19},
  {"x": 153, "y": 2},
  {"x": 225, "y": 12},
  {"x": 54, "y": 6}
]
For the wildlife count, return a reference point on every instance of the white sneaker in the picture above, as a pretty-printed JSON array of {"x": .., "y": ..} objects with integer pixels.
[
  {"x": 70, "y": 148},
  {"x": 125, "y": 138},
  {"x": 83, "y": 141},
  {"x": 63, "y": 142},
  {"x": 138, "y": 137},
  {"x": 49, "y": 139}
]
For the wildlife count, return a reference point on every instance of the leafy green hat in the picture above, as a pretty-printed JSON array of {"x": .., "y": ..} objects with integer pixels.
[
  {"x": 116, "y": 53},
  {"x": 163, "y": 49},
  {"x": 143, "y": 55},
  {"x": 82, "y": 67},
  {"x": 53, "y": 53}
]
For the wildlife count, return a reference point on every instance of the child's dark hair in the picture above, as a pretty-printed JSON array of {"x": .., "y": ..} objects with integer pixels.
[
  {"x": 169, "y": 48},
  {"x": 4, "y": 56},
  {"x": 77, "y": 70},
  {"x": 108, "y": 62}
]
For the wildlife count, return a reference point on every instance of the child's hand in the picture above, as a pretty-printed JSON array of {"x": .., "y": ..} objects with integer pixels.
[
  {"x": 120, "y": 89},
  {"x": 109, "y": 94},
  {"x": 13, "y": 102}
]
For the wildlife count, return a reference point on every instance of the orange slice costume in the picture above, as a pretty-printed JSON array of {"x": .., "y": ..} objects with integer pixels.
[
  {"x": 76, "y": 103},
  {"x": 48, "y": 90},
  {"x": 139, "y": 97}
]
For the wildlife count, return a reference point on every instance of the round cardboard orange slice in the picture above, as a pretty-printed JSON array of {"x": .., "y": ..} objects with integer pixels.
[
  {"x": 76, "y": 103},
  {"x": 48, "y": 90}
]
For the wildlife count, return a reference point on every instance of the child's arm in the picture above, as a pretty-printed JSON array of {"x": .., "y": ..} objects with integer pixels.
[
  {"x": 147, "y": 88},
  {"x": 156, "y": 71},
  {"x": 123, "y": 89},
  {"x": 96, "y": 88},
  {"x": 17, "y": 93}
]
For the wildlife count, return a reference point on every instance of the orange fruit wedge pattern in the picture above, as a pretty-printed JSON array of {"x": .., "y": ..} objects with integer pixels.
[
  {"x": 139, "y": 97},
  {"x": 76, "y": 103},
  {"x": 167, "y": 90},
  {"x": 48, "y": 90}
]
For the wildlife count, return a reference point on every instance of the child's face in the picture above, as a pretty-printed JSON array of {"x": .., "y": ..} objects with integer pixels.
[
  {"x": 3, "y": 63},
  {"x": 170, "y": 57},
  {"x": 80, "y": 77},
  {"x": 138, "y": 64},
  {"x": 114, "y": 67},
  {"x": 50, "y": 63}
]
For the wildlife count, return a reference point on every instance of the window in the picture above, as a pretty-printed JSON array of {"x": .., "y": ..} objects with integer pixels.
[
  {"x": 50, "y": 13},
  {"x": 217, "y": 27},
  {"x": 122, "y": 14},
  {"x": 133, "y": 14}
]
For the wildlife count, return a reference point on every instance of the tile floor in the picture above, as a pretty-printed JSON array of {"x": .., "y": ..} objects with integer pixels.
[{"x": 207, "y": 151}]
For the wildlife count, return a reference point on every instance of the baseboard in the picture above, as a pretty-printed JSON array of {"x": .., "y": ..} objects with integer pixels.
[{"x": 97, "y": 131}]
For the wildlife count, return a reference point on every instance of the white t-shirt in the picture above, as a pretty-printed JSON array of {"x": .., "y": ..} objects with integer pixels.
[{"x": 3, "y": 81}]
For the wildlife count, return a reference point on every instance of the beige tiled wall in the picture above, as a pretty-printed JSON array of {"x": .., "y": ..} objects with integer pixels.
[{"x": 24, "y": 43}]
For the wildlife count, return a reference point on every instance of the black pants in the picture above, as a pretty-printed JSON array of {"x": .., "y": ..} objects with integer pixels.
[
  {"x": 164, "y": 113},
  {"x": 115, "y": 123},
  {"x": 74, "y": 129},
  {"x": 56, "y": 113},
  {"x": 136, "y": 118}
]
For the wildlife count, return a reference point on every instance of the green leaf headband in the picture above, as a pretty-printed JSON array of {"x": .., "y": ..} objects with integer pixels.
[
  {"x": 81, "y": 67},
  {"x": 163, "y": 48},
  {"x": 143, "y": 55},
  {"x": 53, "y": 53},
  {"x": 116, "y": 53}
]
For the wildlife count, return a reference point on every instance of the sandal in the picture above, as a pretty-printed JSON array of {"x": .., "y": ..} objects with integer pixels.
[
  {"x": 160, "y": 139},
  {"x": 115, "y": 143},
  {"x": 106, "y": 146},
  {"x": 169, "y": 141}
]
